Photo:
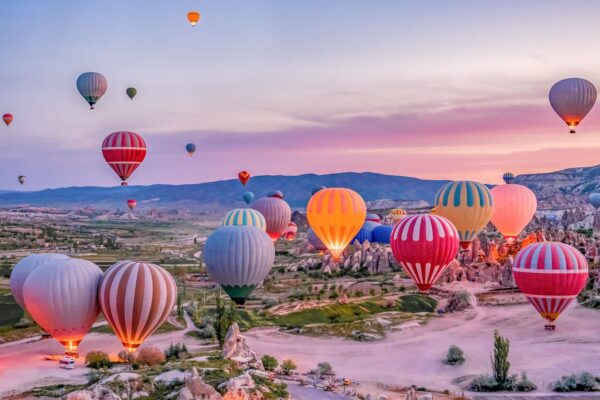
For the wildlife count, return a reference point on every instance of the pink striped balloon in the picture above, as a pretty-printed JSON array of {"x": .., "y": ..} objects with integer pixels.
[
  {"x": 136, "y": 298},
  {"x": 124, "y": 152},
  {"x": 550, "y": 275},
  {"x": 424, "y": 244}
]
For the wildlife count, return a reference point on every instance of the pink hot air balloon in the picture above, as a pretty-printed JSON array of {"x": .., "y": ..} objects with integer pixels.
[
  {"x": 131, "y": 203},
  {"x": 572, "y": 99},
  {"x": 550, "y": 275},
  {"x": 515, "y": 205},
  {"x": 61, "y": 295},
  {"x": 277, "y": 213},
  {"x": 424, "y": 244},
  {"x": 290, "y": 231}
]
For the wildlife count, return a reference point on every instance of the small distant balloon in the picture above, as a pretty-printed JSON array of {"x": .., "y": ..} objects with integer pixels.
[
  {"x": 21, "y": 179},
  {"x": 275, "y": 193},
  {"x": 317, "y": 188},
  {"x": 91, "y": 86},
  {"x": 248, "y": 197},
  {"x": 190, "y": 148},
  {"x": 244, "y": 177},
  {"x": 193, "y": 17},
  {"x": 7, "y": 118},
  {"x": 508, "y": 177},
  {"x": 572, "y": 99},
  {"x": 131, "y": 92},
  {"x": 131, "y": 203}
]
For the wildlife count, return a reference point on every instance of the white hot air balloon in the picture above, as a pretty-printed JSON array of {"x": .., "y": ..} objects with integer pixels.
[
  {"x": 91, "y": 86},
  {"x": 25, "y": 267},
  {"x": 572, "y": 99},
  {"x": 62, "y": 297}
]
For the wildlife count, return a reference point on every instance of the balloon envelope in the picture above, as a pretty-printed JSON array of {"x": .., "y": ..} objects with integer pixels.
[
  {"x": 131, "y": 203},
  {"x": 136, "y": 298},
  {"x": 244, "y": 177},
  {"x": 514, "y": 207},
  {"x": 468, "y": 205},
  {"x": 25, "y": 267},
  {"x": 550, "y": 275},
  {"x": 336, "y": 215},
  {"x": 275, "y": 193},
  {"x": 508, "y": 177},
  {"x": 21, "y": 179},
  {"x": 290, "y": 231},
  {"x": 193, "y": 17},
  {"x": 595, "y": 199},
  {"x": 424, "y": 245},
  {"x": 317, "y": 188},
  {"x": 91, "y": 86},
  {"x": 382, "y": 233},
  {"x": 239, "y": 258},
  {"x": 248, "y": 197},
  {"x": 397, "y": 214},
  {"x": 314, "y": 240},
  {"x": 7, "y": 118},
  {"x": 277, "y": 213},
  {"x": 124, "y": 151},
  {"x": 572, "y": 99},
  {"x": 245, "y": 217},
  {"x": 190, "y": 148},
  {"x": 62, "y": 297},
  {"x": 131, "y": 92},
  {"x": 373, "y": 217},
  {"x": 365, "y": 234}
]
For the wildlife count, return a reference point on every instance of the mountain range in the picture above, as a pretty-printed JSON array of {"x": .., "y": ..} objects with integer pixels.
[{"x": 554, "y": 190}]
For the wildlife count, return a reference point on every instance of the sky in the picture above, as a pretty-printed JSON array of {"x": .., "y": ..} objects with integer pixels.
[{"x": 430, "y": 89}]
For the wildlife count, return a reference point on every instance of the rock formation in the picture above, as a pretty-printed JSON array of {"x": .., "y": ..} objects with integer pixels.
[
  {"x": 196, "y": 389},
  {"x": 236, "y": 349}
]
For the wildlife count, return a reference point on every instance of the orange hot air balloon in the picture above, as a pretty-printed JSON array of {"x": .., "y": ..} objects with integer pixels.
[
  {"x": 7, "y": 118},
  {"x": 514, "y": 206},
  {"x": 336, "y": 215},
  {"x": 193, "y": 17},
  {"x": 244, "y": 177}
]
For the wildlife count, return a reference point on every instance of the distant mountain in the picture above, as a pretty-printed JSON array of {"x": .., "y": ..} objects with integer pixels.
[{"x": 217, "y": 195}]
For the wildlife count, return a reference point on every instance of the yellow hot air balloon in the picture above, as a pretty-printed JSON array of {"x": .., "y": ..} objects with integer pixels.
[
  {"x": 514, "y": 206},
  {"x": 193, "y": 17},
  {"x": 397, "y": 214},
  {"x": 336, "y": 215},
  {"x": 468, "y": 205}
]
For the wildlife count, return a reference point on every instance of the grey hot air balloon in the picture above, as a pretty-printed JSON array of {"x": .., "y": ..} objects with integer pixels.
[
  {"x": 276, "y": 211},
  {"x": 62, "y": 297},
  {"x": 595, "y": 199},
  {"x": 314, "y": 240},
  {"x": 239, "y": 258},
  {"x": 25, "y": 267},
  {"x": 91, "y": 86},
  {"x": 572, "y": 99}
]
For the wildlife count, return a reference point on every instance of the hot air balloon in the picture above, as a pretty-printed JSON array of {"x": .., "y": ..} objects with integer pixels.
[
  {"x": 514, "y": 207},
  {"x": 468, "y": 205},
  {"x": 136, "y": 298},
  {"x": 594, "y": 199},
  {"x": 7, "y": 118},
  {"x": 275, "y": 193},
  {"x": 382, "y": 233},
  {"x": 336, "y": 215},
  {"x": 314, "y": 240},
  {"x": 245, "y": 216},
  {"x": 508, "y": 177},
  {"x": 244, "y": 177},
  {"x": 91, "y": 86},
  {"x": 424, "y": 245},
  {"x": 193, "y": 17},
  {"x": 131, "y": 203},
  {"x": 124, "y": 152},
  {"x": 190, "y": 148},
  {"x": 433, "y": 211},
  {"x": 25, "y": 267},
  {"x": 248, "y": 197},
  {"x": 277, "y": 213},
  {"x": 239, "y": 258},
  {"x": 62, "y": 297},
  {"x": 373, "y": 217},
  {"x": 131, "y": 92},
  {"x": 317, "y": 188},
  {"x": 21, "y": 179},
  {"x": 550, "y": 275},
  {"x": 365, "y": 234},
  {"x": 397, "y": 214},
  {"x": 572, "y": 99},
  {"x": 290, "y": 231}
]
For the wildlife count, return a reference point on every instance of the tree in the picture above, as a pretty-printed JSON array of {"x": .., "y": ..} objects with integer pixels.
[
  {"x": 500, "y": 363},
  {"x": 179, "y": 306},
  {"x": 287, "y": 366},
  {"x": 269, "y": 362},
  {"x": 324, "y": 368},
  {"x": 97, "y": 359},
  {"x": 150, "y": 356},
  {"x": 225, "y": 316}
]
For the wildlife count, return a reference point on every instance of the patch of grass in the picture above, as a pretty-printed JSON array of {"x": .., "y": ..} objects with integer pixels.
[{"x": 276, "y": 390}]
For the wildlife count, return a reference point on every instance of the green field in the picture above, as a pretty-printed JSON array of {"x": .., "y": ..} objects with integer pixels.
[{"x": 10, "y": 311}]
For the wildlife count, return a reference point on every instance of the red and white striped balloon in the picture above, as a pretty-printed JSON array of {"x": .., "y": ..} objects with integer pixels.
[
  {"x": 136, "y": 298},
  {"x": 550, "y": 275},
  {"x": 424, "y": 244},
  {"x": 124, "y": 152}
]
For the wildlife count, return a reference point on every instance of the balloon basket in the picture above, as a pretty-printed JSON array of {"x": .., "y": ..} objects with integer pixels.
[{"x": 550, "y": 327}]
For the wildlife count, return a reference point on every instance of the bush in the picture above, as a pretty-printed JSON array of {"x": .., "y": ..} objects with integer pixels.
[
  {"x": 323, "y": 368},
  {"x": 126, "y": 357},
  {"x": 487, "y": 383},
  {"x": 150, "y": 356},
  {"x": 97, "y": 360},
  {"x": 584, "y": 382},
  {"x": 176, "y": 351},
  {"x": 287, "y": 366},
  {"x": 455, "y": 356},
  {"x": 269, "y": 362}
]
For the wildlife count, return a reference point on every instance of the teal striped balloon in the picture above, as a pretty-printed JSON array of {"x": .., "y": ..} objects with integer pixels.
[{"x": 245, "y": 216}]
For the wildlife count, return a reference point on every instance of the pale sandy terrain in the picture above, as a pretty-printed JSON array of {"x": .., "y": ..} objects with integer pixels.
[{"x": 414, "y": 355}]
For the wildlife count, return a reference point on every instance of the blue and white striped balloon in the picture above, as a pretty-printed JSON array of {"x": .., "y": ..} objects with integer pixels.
[{"x": 245, "y": 216}]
